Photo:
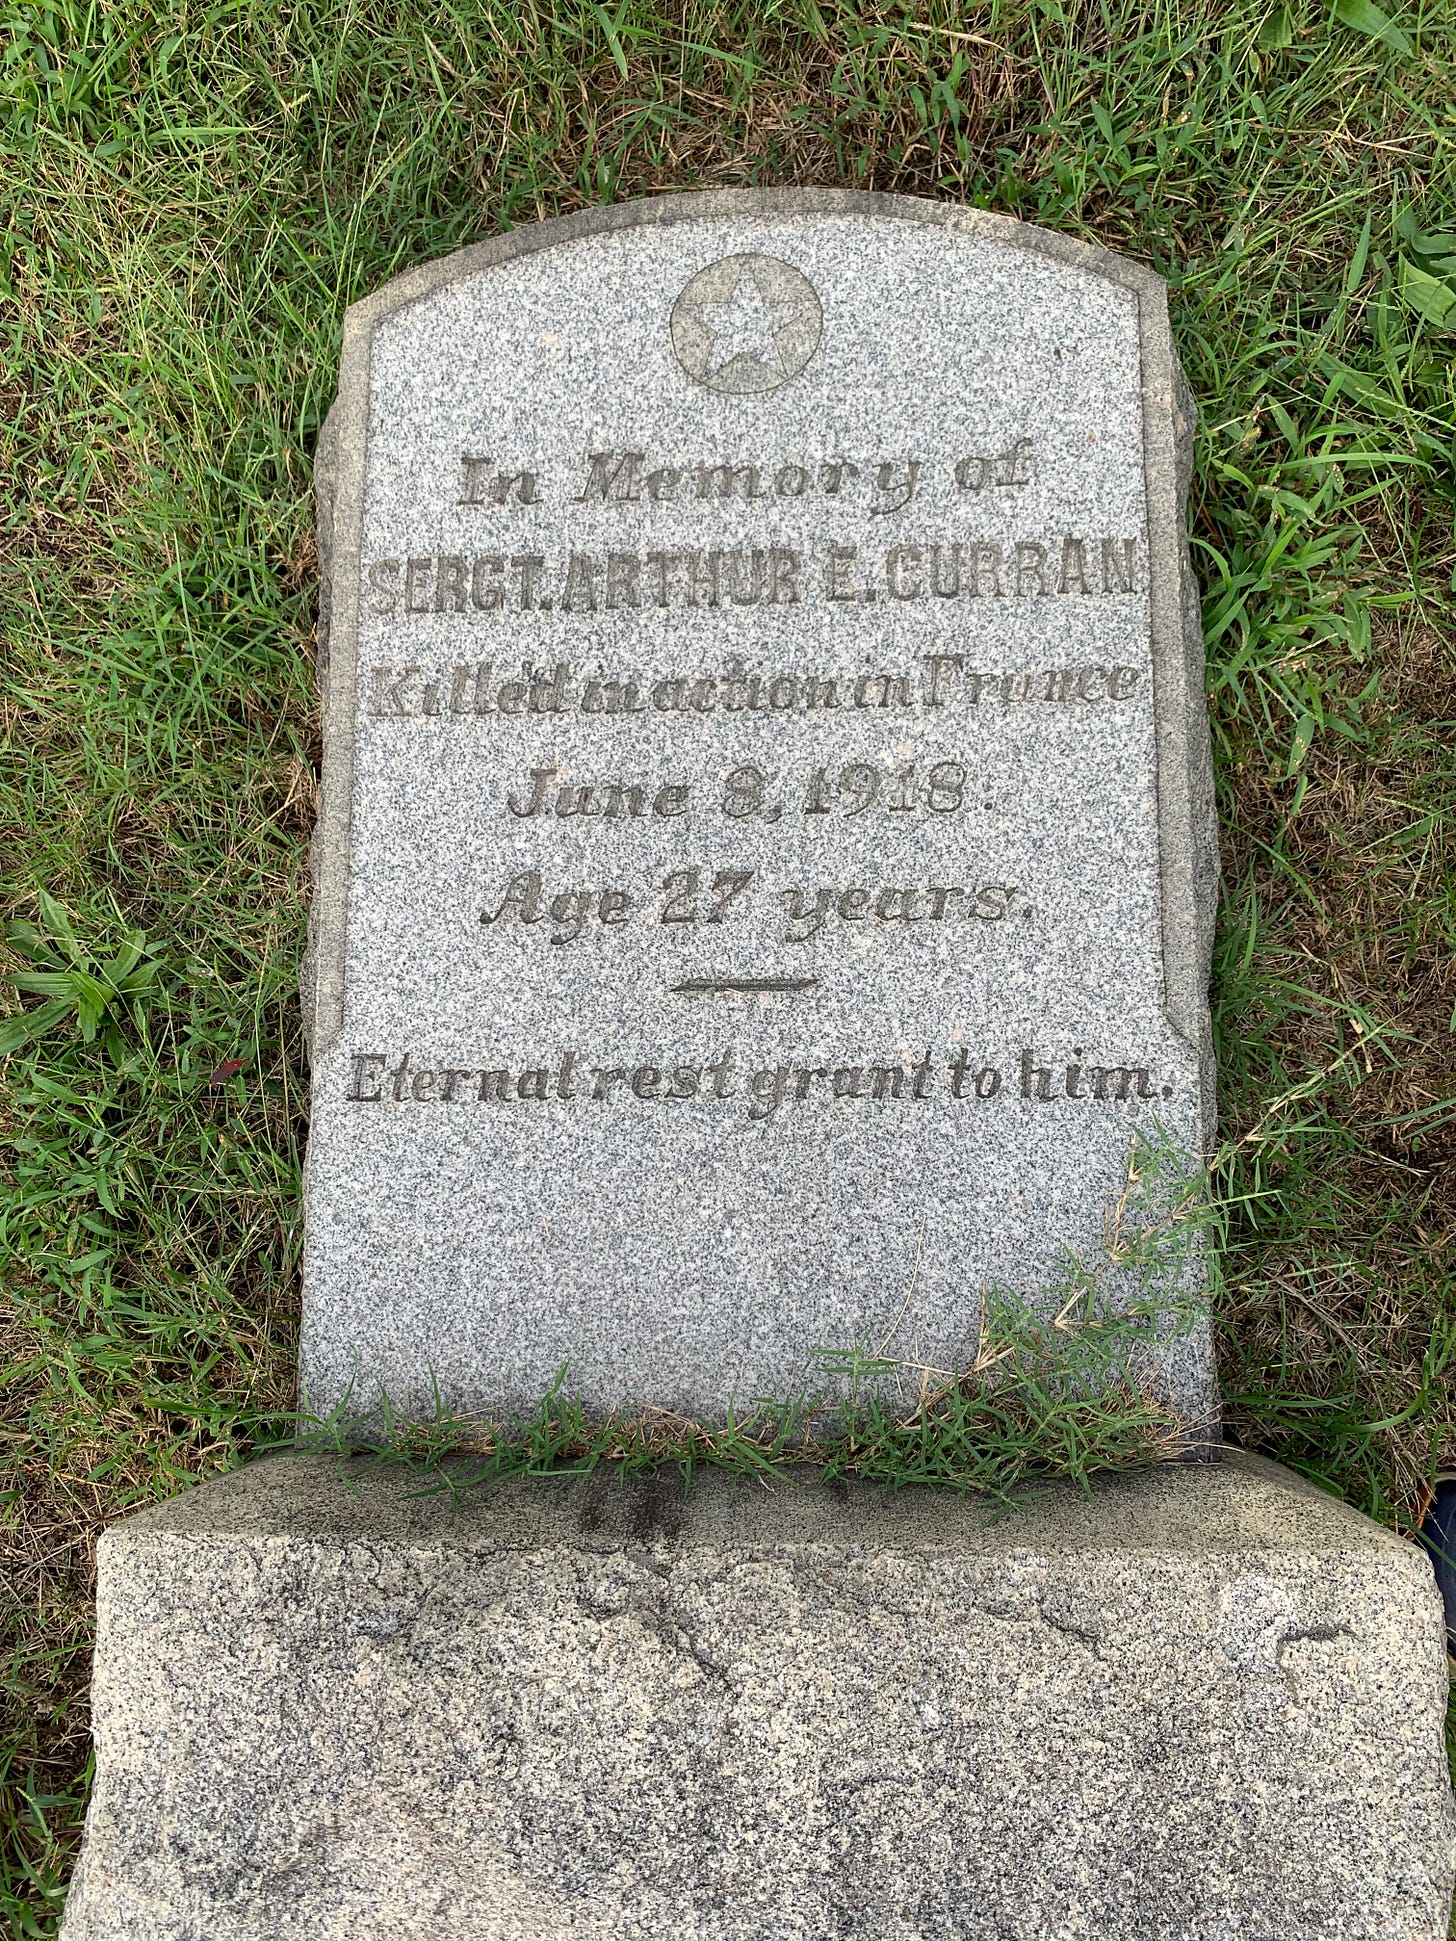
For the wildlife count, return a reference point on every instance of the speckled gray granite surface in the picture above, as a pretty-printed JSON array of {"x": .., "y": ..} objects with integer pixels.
[
  {"x": 766, "y": 856},
  {"x": 1202, "y": 1704}
]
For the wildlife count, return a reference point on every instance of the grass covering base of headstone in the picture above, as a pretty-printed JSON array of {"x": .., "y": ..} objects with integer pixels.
[
  {"x": 1037, "y": 1404},
  {"x": 193, "y": 196},
  {"x": 1061, "y": 1384}
]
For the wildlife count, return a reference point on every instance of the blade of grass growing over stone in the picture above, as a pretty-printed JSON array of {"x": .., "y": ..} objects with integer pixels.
[{"x": 1063, "y": 1384}]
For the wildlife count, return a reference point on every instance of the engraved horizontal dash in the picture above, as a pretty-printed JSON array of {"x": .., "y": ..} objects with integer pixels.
[{"x": 699, "y": 986}]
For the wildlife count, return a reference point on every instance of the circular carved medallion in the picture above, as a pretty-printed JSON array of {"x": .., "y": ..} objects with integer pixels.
[{"x": 746, "y": 324}]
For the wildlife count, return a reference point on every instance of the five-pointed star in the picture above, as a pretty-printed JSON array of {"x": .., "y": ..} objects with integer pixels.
[{"x": 746, "y": 327}]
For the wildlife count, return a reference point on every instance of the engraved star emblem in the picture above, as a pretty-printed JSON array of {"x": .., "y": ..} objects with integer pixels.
[{"x": 746, "y": 327}]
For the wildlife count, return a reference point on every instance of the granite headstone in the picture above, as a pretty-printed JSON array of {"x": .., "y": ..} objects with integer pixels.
[{"x": 766, "y": 854}]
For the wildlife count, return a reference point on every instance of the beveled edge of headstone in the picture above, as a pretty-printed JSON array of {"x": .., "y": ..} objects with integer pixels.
[{"x": 1187, "y": 831}]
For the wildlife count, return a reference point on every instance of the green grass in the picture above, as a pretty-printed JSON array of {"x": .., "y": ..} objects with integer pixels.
[
  {"x": 1055, "y": 1388},
  {"x": 193, "y": 197}
]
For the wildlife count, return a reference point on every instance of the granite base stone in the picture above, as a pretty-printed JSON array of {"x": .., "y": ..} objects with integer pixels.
[{"x": 1200, "y": 1702}]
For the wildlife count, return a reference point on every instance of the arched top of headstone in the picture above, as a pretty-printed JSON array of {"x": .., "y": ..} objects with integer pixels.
[{"x": 758, "y": 207}]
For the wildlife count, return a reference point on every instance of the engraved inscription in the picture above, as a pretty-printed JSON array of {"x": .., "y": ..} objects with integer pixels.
[
  {"x": 482, "y": 484},
  {"x": 419, "y": 690},
  {"x": 964, "y": 1078},
  {"x": 612, "y": 801},
  {"x": 628, "y": 476},
  {"x": 945, "y": 567},
  {"x": 695, "y": 893},
  {"x": 886, "y": 485},
  {"x": 852, "y": 790},
  {"x": 467, "y": 586}
]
